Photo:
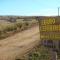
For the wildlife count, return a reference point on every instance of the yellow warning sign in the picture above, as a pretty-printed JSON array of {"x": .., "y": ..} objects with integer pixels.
[
  {"x": 48, "y": 21},
  {"x": 50, "y": 29}
]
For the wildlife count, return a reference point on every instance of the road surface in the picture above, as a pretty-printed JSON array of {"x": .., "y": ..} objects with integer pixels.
[{"x": 19, "y": 44}]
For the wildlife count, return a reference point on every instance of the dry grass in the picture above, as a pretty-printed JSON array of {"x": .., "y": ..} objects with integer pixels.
[{"x": 6, "y": 28}]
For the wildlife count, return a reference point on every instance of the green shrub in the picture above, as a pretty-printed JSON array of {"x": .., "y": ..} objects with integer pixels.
[
  {"x": 19, "y": 25},
  {"x": 41, "y": 53},
  {"x": 11, "y": 27},
  {"x": 26, "y": 24}
]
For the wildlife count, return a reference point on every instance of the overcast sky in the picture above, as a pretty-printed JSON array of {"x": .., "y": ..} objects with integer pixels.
[{"x": 29, "y": 7}]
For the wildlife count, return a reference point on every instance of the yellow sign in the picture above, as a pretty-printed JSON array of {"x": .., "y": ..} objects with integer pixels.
[
  {"x": 49, "y": 29},
  {"x": 50, "y": 37},
  {"x": 48, "y": 21}
]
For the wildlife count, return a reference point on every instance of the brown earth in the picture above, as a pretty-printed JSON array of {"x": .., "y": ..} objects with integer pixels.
[{"x": 19, "y": 44}]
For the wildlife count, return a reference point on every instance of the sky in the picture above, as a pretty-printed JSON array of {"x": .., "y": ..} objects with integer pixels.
[{"x": 29, "y": 7}]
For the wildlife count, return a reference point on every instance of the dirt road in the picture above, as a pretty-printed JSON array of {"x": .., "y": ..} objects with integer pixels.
[{"x": 17, "y": 45}]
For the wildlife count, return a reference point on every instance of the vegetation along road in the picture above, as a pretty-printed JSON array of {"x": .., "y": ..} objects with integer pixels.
[{"x": 17, "y": 45}]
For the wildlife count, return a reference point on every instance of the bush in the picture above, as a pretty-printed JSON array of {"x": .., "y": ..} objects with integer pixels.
[
  {"x": 41, "y": 53},
  {"x": 19, "y": 25},
  {"x": 26, "y": 23}
]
